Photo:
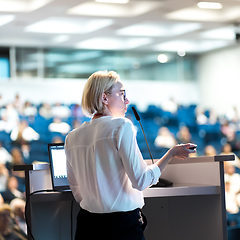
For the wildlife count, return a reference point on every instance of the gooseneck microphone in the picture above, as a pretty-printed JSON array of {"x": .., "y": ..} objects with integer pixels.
[
  {"x": 138, "y": 119},
  {"x": 161, "y": 182}
]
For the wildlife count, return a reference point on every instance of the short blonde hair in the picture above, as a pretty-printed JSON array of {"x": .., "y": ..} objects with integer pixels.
[{"x": 98, "y": 83}]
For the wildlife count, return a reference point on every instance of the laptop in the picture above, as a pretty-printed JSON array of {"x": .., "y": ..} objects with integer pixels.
[{"x": 58, "y": 168}]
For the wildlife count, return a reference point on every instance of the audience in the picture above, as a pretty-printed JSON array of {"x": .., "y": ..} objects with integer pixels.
[
  {"x": 4, "y": 175},
  {"x": 183, "y": 135},
  {"x": 18, "y": 208},
  {"x": 46, "y": 111},
  {"x": 210, "y": 150},
  {"x": 5, "y": 156},
  {"x": 9, "y": 230},
  {"x": 12, "y": 191},
  {"x": 165, "y": 138},
  {"x": 59, "y": 126},
  {"x": 20, "y": 138},
  {"x": 23, "y": 134}
]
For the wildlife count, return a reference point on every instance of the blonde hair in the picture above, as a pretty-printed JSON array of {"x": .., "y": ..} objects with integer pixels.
[{"x": 98, "y": 83}]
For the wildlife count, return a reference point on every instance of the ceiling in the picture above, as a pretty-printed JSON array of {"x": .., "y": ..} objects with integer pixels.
[{"x": 160, "y": 25}]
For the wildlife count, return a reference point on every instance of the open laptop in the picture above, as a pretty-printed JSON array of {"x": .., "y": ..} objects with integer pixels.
[{"x": 58, "y": 169}]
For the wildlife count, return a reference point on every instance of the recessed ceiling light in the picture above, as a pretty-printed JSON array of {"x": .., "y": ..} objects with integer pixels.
[
  {"x": 225, "y": 33},
  {"x": 210, "y": 5},
  {"x": 158, "y": 29},
  {"x": 68, "y": 25},
  {"x": 181, "y": 52},
  {"x": 191, "y": 45},
  {"x": 132, "y": 9},
  {"x": 105, "y": 43},
  {"x": 22, "y": 6},
  {"x": 162, "y": 58},
  {"x": 113, "y": 1},
  {"x": 61, "y": 38}
]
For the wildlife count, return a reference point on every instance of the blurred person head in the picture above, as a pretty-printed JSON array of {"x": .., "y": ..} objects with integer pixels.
[
  {"x": 57, "y": 139},
  {"x": 5, "y": 218},
  {"x": 17, "y": 156},
  {"x": 76, "y": 123},
  {"x": 164, "y": 131},
  {"x": 229, "y": 168},
  {"x": 99, "y": 85},
  {"x": 227, "y": 148},
  {"x": 210, "y": 150},
  {"x": 18, "y": 207},
  {"x": 12, "y": 183},
  {"x": 184, "y": 135}
]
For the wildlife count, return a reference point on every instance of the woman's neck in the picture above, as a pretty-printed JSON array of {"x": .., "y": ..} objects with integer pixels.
[{"x": 98, "y": 115}]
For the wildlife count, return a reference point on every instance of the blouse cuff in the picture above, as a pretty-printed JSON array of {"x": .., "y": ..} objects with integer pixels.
[{"x": 156, "y": 173}]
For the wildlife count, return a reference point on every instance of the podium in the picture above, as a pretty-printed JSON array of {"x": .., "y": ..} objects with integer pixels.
[{"x": 193, "y": 208}]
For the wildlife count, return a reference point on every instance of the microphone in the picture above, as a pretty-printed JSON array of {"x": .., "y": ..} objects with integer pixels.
[
  {"x": 162, "y": 182},
  {"x": 138, "y": 119}
]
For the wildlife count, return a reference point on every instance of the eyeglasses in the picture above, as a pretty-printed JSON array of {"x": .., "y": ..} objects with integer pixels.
[
  {"x": 121, "y": 91},
  {"x": 124, "y": 94}
]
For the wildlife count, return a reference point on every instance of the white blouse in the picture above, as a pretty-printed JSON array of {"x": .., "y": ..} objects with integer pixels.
[{"x": 105, "y": 168}]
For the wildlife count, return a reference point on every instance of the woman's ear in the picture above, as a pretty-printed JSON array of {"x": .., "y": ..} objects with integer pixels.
[{"x": 104, "y": 99}]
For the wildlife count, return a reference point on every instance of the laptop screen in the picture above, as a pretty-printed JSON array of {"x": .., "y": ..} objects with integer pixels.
[{"x": 57, "y": 160}]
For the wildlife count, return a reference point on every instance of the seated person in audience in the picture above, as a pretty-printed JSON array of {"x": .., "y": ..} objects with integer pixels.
[
  {"x": 46, "y": 111},
  {"x": 229, "y": 132},
  {"x": 76, "y": 123},
  {"x": 4, "y": 175},
  {"x": 227, "y": 150},
  {"x": 77, "y": 111},
  {"x": 23, "y": 134},
  {"x": 12, "y": 190},
  {"x": 29, "y": 109},
  {"x": 10, "y": 116},
  {"x": 59, "y": 126},
  {"x": 4, "y": 125},
  {"x": 232, "y": 177},
  {"x": 25, "y": 150},
  {"x": 5, "y": 156},
  {"x": 20, "y": 175},
  {"x": 18, "y": 104},
  {"x": 8, "y": 230},
  {"x": 170, "y": 105},
  {"x": 213, "y": 118},
  {"x": 210, "y": 150},
  {"x": 61, "y": 111},
  {"x": 18, "y": 208},
  {"x": 201, "y": 118},
  {"x": 165, "y": 138},
  {"x": 232, "y": 206},
  {"x": 57, "y": 139},
  {"x": 183, "y": 135}
]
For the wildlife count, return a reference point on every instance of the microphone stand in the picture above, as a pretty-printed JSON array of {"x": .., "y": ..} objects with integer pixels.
[{"x": 162, "y": 182}]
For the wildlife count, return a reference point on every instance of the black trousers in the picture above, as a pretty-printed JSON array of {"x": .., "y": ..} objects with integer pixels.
[{"x": 110, "y": 226}]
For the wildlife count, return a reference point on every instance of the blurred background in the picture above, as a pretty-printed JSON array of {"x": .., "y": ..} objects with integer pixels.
[{"x": 179, "y": 62}]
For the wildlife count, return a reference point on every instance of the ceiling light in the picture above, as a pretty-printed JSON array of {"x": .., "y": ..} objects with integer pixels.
[
  {"x": 162, "y": 58},
  {"x": 181, "y": 53},
  {"x": 226, "y": 33},
  {"x": 61, "y": 38},
  {"x": 191, "y": 45},
  {"x": 132, "y": 9},
  {"x": 68, "y": 25},
  {"x": 105, "y": 43},
  {"x": 22, "y": 6},
  {"x": 113, "y": 1},
  {"x": 4, "y": 19},
  {"x": 210, "y": 5},
  {"x": 158, "y": 29}
]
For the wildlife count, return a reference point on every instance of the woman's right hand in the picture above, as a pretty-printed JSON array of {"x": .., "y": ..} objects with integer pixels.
[{"x": 181, "y": 151}]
